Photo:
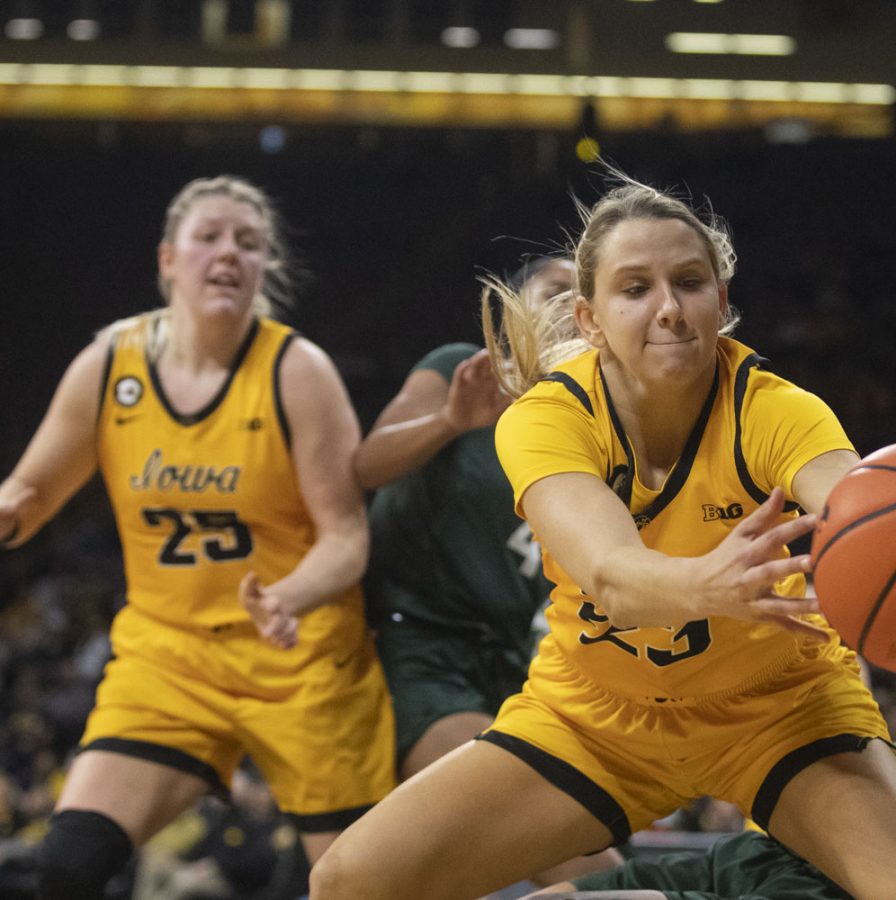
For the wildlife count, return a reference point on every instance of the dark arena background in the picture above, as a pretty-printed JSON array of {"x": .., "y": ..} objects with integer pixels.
[{"x": 411, "y": 145}]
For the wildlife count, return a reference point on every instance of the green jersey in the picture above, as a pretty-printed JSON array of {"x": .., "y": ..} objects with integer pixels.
[
  {"x": 748, "y": 866},
  {"x": 447, "y": 547}
]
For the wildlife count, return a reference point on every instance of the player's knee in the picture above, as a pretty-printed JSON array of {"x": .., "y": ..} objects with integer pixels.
[
  {"x": 80, "y": 853},
  {"x": 333, "y": 877}
]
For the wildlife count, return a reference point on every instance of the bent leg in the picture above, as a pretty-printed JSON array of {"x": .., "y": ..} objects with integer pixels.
[
  {"x": 141, "y": 796},
  {"x": 80, "y": 853},
  {"x": 838, "y": 814},
  {"x": 110, "y": 803},
  {"x": 457, "y": 729},
  {"x": 460, "y": 829}
]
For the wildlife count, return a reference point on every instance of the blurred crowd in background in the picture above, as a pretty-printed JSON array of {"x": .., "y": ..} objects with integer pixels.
[{"x": 392, "y": 229}]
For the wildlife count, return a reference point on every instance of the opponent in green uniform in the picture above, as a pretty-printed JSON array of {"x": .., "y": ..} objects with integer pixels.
[
  {"x": 454, "y": 578},
  {"x": 747, "y": 866}
]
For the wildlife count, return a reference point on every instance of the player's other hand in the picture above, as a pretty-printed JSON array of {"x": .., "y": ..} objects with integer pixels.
[
  {"x": 475, "y": 399},
  {"x": 11, "y": 506},
  {"x": 745, "y": 568},
  {"x": 269, "y": 613}
]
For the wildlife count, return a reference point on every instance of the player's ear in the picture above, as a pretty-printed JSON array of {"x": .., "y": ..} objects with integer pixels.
[
  {"x": 587, "y": 324},
  {"x": 723, "y": 303},
  {"x": 165, "y": 255}
]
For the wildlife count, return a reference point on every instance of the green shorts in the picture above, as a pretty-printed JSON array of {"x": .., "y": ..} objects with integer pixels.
[
  {"x": 748, "y": 865},
  {"x": 435, "y": 672}
]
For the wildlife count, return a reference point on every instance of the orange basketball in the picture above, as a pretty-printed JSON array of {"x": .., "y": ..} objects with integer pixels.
[{"x": 854, "y": 558}]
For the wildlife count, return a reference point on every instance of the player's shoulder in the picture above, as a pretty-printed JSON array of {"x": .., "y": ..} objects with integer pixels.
[
  {"x": 302, "y": 357},
  {"x": 569, "y": 383},
  {"x": 760, "y": 389}
]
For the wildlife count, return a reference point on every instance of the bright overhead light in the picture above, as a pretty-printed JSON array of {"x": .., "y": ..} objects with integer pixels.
[
  {"x": 83, "y": 29},
  {"x": 763, "y": 44},
  {"x": 233, "y": 78},
  {"x": 24, "y": 29},
  {"x": 743, "y": 44},
  {"x": 460, "y": 36},
  {"x": 531, "y": 38}
]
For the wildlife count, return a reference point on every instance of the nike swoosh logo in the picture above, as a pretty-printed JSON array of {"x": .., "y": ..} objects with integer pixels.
[{"x": 121, "y": 420}]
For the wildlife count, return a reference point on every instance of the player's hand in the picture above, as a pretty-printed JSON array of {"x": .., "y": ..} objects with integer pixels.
[
  {"x": 474, "y": 398},
  {"x": 269, "y": 613},
  {"x": 742, "y": 571},
  {"x": 10, "y": 511}
]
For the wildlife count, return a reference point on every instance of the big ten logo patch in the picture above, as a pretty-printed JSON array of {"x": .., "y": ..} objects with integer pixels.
[{"x": 713, "y": 513}]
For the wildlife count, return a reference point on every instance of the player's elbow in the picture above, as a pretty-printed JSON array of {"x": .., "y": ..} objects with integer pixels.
[{"x": 367, "y": 474}]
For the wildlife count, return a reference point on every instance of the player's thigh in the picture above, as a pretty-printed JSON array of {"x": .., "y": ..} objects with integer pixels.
[
  {"x": 474, "y": 821},
  {"x": 443, "y": 736},
  {"x": 140, "y": 795},
  {"x": 838, "y": 814}
]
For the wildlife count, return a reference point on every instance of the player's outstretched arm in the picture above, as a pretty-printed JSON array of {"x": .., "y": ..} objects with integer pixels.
[
  {"x": 815, "y": 480},
  {"x": 590, "y": 532}
]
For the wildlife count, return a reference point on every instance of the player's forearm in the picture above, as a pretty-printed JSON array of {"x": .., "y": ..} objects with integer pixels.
[
  {"x": 394, "y": 450},
  {"x": 640, "y": 587},
  {"x": 335, "y": 563},
  {"x": 23, "y": 511}
]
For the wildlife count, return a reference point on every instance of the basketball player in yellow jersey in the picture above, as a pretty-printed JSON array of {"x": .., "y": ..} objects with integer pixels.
[
  {"x": 659, "y": 466},
  {"x": 225, "y": 442}
]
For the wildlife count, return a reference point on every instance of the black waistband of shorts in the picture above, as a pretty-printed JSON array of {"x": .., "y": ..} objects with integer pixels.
[{"x": 317, "y": 823}]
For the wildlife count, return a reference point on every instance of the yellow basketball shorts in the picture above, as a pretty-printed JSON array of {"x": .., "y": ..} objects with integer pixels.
[
  {"x": 632, "y": 763},
  {"x": 321, "y": 734}
]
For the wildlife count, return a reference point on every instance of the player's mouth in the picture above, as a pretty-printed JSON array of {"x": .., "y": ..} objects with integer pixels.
[{"x": 224, "y": 281}]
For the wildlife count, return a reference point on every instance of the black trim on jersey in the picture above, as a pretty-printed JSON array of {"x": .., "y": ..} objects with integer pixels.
[
  {"x": 573, "y": 387},
  {"x": 793, "y": 763},
  {"x": 570, "y": 780},
  {"x": 107, "y": 369},
  {"x": 216, "y": 401},
  {"x": 625, "y": 489},
  {"x": 753, "y": 361},
  {"x": 685, "y": 463},
  {"x": 165, "y": 756},
  {"x": 317, "y": 823},
  {"x": 278, "y": 399}
]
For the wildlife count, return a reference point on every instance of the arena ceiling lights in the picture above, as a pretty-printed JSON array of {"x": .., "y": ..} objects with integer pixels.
[{"x": 346, "y": 80}]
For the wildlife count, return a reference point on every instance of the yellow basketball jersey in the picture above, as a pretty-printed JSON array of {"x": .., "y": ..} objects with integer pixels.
[
  {"x": 201, "y": 500},
  {"x": 756, "y": 431}
]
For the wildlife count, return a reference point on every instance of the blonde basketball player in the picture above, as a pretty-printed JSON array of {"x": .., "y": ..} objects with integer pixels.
[
  {"x": 660, "y": 465},
  {"x": 225, "y": 442}
]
